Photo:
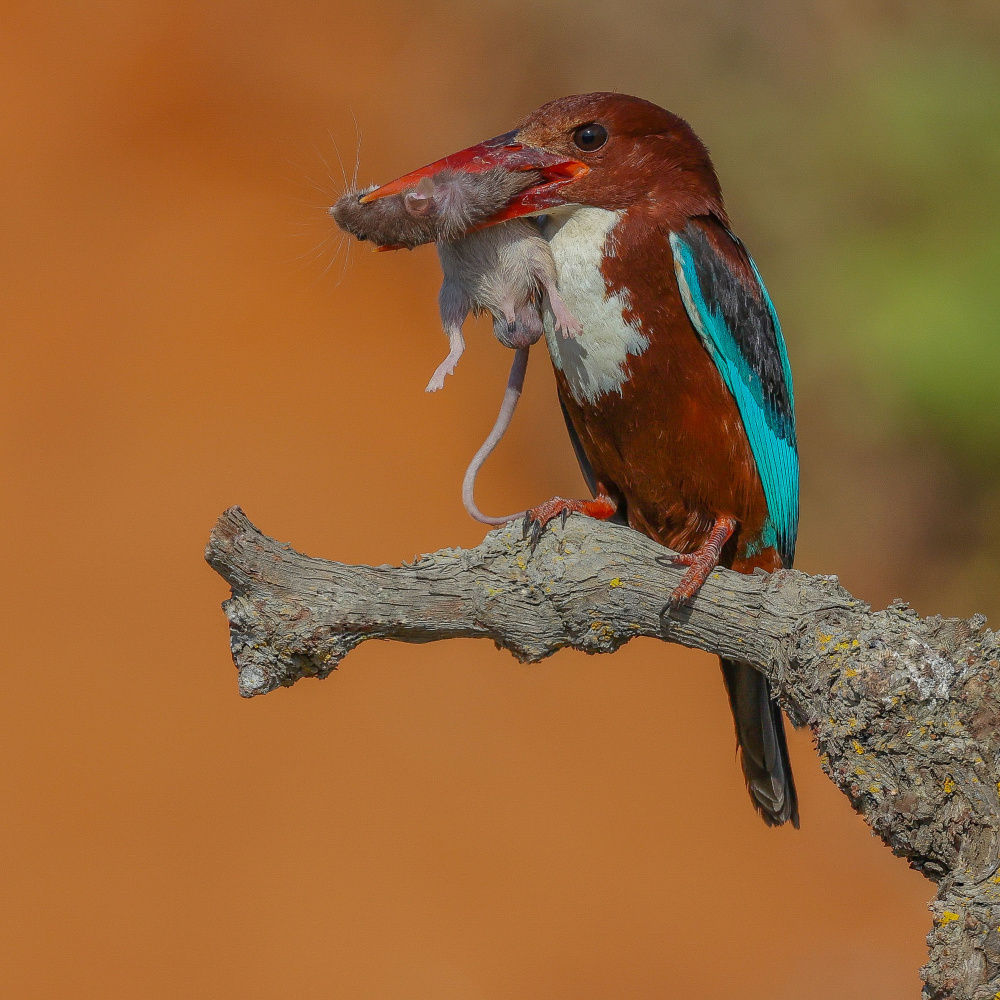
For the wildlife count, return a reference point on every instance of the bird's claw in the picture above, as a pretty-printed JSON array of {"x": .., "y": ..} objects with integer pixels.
[
  {"x": 678, "y": 559},
  {"x": 531, "y": 529},
  {"x": 538, "y": 517},
  {"x": 700, "y": 563},
  {"x": 536, "y": 534},
  {"x": 699, "y": 568}
]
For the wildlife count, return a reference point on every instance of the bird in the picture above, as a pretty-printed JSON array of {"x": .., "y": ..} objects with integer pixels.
[{"x": 677, "y": 392}]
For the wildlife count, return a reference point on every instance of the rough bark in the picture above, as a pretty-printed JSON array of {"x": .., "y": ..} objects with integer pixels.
[{"x": 904, "y": 709}]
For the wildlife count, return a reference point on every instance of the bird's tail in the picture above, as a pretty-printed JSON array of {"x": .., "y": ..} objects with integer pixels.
[{"x": 760, "y": 733}]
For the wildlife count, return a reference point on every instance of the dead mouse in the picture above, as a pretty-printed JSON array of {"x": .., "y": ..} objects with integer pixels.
[{"x": 506, "y": 269}]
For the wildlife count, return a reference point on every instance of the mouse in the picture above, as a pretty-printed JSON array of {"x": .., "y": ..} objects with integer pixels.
[{"x": 506, "y": 269}]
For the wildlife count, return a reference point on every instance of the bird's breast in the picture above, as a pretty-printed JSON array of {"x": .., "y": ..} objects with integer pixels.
[
  {"x": 595, "y": 363},
  {"x": 654, "y": 417}
]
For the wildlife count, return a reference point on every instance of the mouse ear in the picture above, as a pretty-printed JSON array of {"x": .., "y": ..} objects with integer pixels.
[{"x": 418, "y": 202}]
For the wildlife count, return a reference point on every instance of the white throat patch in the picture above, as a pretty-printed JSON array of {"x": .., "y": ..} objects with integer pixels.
[{"x": 594, "y": 362}]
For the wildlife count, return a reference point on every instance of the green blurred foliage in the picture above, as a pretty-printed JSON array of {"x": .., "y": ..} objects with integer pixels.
[{"x": 914, "y": 275}]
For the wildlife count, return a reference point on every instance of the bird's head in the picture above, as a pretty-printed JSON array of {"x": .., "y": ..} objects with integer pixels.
[{"x": 606, "y": 150}]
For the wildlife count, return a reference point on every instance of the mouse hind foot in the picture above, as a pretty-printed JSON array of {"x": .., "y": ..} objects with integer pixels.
[{"x": 565, "y": 322}]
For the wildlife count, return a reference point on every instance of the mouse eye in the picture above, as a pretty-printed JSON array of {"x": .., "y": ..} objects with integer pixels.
[{"x": 590, "y": 137}]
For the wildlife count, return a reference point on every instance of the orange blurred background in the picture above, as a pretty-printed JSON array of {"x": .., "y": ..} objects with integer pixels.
[{"x": 183, "y": 332}]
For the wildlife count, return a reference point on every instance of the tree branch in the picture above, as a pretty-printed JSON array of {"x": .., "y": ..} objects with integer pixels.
[{"x": 904, "y": 710}]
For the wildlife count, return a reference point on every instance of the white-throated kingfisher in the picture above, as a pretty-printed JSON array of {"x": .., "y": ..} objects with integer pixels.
[{"x": 677, "y": 393}]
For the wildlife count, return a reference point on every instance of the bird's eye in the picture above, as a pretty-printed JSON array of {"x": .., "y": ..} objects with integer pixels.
[{"x": 590, "y": 137}]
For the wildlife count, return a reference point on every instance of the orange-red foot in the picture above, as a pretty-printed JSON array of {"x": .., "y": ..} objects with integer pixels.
[
  {"x": 602, "y": 507},
  {"x": 701, "y": 562}
]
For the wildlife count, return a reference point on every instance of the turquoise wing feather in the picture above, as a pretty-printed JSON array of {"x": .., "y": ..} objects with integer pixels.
[{"x": 740, "y": 330}]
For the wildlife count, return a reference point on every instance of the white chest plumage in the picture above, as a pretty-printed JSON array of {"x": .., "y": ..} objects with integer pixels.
[{"x": 594, "y": 363}]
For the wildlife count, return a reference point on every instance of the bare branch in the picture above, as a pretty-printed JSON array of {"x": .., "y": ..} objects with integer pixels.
[{"x": 904, "y": 710}]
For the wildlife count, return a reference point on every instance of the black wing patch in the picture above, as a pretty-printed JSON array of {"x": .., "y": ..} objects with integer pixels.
[{"x": 751, "y": 322}]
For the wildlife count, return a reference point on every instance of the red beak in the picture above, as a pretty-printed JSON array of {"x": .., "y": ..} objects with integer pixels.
[{"x": 502, "y": 151}]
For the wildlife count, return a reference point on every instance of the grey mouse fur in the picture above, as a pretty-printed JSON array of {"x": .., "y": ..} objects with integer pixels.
[
  {"x": 445, "y": 209},
  {"x": 506, "y": 269}
]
